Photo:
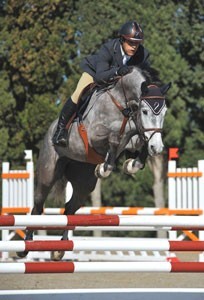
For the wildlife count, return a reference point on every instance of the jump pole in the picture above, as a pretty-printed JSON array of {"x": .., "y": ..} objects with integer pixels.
[
  {"x": 102, "y": 228},
  {"x": 120, "y": 210},
  {"x": 88, "y": 245},
  {"x": 81, "y": 267},
  {"x": 102, "y": 220}
]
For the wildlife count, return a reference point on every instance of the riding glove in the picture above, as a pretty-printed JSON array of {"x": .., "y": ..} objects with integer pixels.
[{"x": 123, "y": 70}]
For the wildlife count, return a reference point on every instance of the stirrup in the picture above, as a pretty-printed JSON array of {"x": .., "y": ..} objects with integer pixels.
[
  {"x": 60, "y": 138},
  {"x": 61, "y": 142}
]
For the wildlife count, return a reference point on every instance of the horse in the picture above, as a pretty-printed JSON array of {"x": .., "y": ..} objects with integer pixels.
[{"x": 126, "y": 115}]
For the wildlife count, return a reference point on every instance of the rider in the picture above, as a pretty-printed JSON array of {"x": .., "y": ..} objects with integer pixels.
[{"x": 113, "y": 59}]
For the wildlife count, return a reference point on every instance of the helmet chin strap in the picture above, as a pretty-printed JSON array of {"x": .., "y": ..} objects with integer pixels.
[{"x": 122, "y": 40}]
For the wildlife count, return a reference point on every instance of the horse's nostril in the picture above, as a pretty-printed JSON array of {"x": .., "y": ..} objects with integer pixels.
[
  {"x": 153, "y": 149},
  {"x": 156, "y": 150}
]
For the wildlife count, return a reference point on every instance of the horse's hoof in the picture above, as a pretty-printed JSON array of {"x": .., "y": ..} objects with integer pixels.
[
  {"x": 28, "y": 237},
  {"x": 131, "y": 166},
  {"x": 22, "y": 254},
  {"x": 100, "y": 171},
  {"x": 97, "y": 172},
  {"x": 57, "y": 255}
]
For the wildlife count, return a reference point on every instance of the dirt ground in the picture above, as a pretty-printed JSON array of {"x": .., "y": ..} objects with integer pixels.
[{"x": 104, "y": 280}]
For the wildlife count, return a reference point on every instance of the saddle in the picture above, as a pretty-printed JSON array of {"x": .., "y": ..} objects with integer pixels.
[{"x": 84, "y": 99}]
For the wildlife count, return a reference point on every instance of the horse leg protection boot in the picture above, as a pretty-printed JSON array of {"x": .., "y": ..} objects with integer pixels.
[{"x": 60, "y": 136}]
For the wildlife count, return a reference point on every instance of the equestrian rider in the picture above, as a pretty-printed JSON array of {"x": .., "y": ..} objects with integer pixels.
[{"x": 113, "y": 59}]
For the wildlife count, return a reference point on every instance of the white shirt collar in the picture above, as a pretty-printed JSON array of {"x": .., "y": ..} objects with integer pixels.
[{"x": 125, "y": 56}]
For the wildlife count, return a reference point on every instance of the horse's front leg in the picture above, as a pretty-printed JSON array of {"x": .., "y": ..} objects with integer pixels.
[
  {"x": 104, "y": 170},
  {"x": 133, "y": 165}
]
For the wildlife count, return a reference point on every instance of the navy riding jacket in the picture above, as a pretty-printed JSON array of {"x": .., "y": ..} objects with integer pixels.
[{"x": 103, "y": 65}]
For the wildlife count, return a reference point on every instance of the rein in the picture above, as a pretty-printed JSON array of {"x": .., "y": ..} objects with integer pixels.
[
  {"x": 123, "y": 110},
  {"x": 129, "y": 113}
]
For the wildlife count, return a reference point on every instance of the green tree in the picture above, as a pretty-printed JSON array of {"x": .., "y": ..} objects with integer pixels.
[
  {"x": 42, "y": 44},
  {"x": 35, "y": 52},
  {"x": 190, "y": 30}
]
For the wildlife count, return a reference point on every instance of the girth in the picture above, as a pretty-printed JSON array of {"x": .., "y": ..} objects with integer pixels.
[{"x": 91, "y": 155}]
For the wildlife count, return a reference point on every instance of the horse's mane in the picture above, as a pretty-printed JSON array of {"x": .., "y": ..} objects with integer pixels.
[{"x": 150, "y": 74}]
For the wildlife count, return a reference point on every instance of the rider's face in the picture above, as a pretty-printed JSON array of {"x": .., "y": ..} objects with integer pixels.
[{"x": 130, "y": 48}]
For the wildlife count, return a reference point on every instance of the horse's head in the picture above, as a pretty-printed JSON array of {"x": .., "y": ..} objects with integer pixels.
[{"x": 151, "y": 113}]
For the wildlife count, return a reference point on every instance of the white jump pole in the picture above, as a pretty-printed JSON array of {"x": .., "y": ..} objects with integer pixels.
[
  {"x": 125, "y": 211},
  {"x": 102, "y": 228},
  {"x": 81, "y": 267},
  {"x": 102, "y": 220},
  {"x": 99, "y": 245}
]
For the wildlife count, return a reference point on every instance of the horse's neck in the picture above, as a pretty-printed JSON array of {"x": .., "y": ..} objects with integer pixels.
[
  {"x": 127, "y": 88},
  {"x": 117, "y": 92}
]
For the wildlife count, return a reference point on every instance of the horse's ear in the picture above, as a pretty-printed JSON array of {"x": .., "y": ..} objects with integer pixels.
[
  {"x": 164, "y": 89},
  {"x": 144, "y": 88}
]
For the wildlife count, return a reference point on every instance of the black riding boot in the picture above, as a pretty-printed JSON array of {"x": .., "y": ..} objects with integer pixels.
[{"x": 60, "y": 136}]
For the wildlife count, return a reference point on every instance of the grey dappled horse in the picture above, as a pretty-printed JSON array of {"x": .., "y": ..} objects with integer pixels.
[{"x": 117, "y": 118}]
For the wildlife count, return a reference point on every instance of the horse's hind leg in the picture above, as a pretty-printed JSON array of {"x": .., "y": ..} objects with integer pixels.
[
  {"x": 83, "y": 180},
  {"x": 46, "y": 176},
  {"x": 37, "y": 210}
]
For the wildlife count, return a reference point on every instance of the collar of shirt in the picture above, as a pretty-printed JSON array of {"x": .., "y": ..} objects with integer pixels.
[{"x": 125, "y": 56}]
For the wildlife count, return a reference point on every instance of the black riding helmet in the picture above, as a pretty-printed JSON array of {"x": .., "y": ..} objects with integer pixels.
[{"x": 131, "y": 31}]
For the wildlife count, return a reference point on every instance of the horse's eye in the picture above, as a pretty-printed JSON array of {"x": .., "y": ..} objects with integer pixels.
[{"x": 145, "y": 112}]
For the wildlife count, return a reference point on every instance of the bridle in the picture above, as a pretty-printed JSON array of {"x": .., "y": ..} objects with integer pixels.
[
  {"x": 138, "y": 122},
  {"x": 130, "y": 113}
]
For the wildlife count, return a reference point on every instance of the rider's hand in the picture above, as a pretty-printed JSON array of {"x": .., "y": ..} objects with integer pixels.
[{"x": 123, "y": 70}]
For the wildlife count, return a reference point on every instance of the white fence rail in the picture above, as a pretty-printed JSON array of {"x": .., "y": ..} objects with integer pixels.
[
  {"x": 18, "y": 185},
  {"x": 185, "y": 191}
]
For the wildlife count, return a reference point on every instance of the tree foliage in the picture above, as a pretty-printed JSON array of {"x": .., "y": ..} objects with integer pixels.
[
  {"x": 41, "y": 45},
  {"x": 37, "y": 44}
]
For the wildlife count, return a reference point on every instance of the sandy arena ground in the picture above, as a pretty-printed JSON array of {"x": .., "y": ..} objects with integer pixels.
[{"x": 105, "y": 280}]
